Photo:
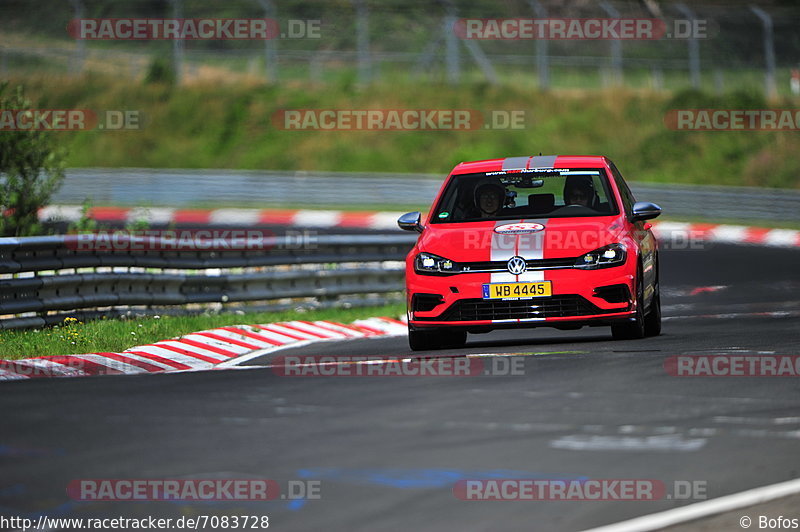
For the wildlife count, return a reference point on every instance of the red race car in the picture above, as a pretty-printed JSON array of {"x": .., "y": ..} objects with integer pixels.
[{"x": 555, "y": 241}]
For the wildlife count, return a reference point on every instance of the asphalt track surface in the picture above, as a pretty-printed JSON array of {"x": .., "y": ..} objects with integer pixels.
[{"x": 388, "y": 450}]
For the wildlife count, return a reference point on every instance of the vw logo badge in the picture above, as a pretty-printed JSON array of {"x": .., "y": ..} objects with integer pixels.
[{"x": 517, "y": 265}]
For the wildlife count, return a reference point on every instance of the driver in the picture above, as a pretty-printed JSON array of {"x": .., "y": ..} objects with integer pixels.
[
  {"x": 489, "y": 199},
  {"x": 579, "y": 190}
]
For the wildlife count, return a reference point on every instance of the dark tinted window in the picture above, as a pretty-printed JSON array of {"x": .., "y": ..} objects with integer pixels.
[
  {"x": 540, "y": 193},
  {"x": 627, "y": 196}
]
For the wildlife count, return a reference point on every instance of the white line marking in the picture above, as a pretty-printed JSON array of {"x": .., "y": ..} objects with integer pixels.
[
  {"x": 699, "y": 510},
  {"x": 671, "y": 442}
]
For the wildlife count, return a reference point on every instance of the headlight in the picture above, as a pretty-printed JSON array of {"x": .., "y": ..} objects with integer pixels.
[
  {"x": 434, "y": 264},
  {"x": 605, "y": 257}
]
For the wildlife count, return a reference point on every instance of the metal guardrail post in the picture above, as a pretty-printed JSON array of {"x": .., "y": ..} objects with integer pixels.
[
  {"x": 542, "y": 60},
  {"x": 616, "y": 45},
  {"x": 80, "y": 50},
  {"x": 452, "y": 55},
  {"x": 270, "y": 45},
  {"x": 362, "y": 42},
  {"x": 177, "y": 43},
  {"x": 769, "y": 51},
  {"x": 694, "y": 47}
]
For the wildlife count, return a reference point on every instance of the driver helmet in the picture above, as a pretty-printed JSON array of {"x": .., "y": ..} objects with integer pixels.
[{"x": 580, "y": 185}]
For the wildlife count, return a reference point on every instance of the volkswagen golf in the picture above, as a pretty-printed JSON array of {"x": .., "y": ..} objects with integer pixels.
[{"x": 556, "y": 241}]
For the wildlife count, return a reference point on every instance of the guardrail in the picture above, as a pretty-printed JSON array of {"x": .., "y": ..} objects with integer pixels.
[
  {"x": 179, "y": 188},
  {"x": 41, "y": 277}
]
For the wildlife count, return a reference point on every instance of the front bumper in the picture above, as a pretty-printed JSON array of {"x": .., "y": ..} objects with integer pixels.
[{"x": 575, "y": 300}]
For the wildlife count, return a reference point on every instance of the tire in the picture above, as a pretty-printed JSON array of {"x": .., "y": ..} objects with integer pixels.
[
  {"x": 652, "y": 321},
  {"x": 422, "y": 340},
  {"x": 633, "y": 329},
  {"x": 452, "y": 338}
]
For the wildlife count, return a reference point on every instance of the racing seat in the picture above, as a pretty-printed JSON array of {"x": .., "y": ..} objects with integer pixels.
[{"x": 541, "y": 203}]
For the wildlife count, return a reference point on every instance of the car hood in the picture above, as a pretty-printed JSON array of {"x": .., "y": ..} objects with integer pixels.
[{"x": 532, "y": 239}]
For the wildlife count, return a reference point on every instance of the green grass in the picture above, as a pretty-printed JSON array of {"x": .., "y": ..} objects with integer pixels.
[
  {"x": 117, "y": 335},
  {"x": 216, "y": 126}
]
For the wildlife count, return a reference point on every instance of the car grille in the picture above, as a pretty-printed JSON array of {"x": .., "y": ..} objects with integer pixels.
[
  {"x": 540, "y": 307},
  {"x": 502, "y": 265}
]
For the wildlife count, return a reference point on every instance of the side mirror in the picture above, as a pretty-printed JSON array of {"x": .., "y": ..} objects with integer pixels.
[
  {"x": 410, "y": 222},
  {"x": 643, "y": 210}
]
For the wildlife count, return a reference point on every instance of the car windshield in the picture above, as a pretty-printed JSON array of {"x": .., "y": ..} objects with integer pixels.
[{"x": 534, "y": 193}]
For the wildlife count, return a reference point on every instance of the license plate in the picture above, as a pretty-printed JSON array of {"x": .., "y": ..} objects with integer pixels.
[{"x": 517, "y": 290}]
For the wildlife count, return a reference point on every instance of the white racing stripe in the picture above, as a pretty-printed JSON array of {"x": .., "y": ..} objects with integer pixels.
[
  {"x": 327, "y": 333},
  {"x": 281, "y": 328},
  {"x": 48, "y": 367},
  {"x": 340, "y": 328},
  {"x": 186, "y": 360},
  {"x": 113, "y": 364},
  {"x": 214, "y": 342},
  {"x": 703, "y": 509},
  {"x": 529, "y": 246},
  {"x": 503, "y": 248},
  {"x": 193, "y": 349},
  {"x": 268, "y": 332},
  {"x": 388, "y": 327},
  {"x": 265, "y": 336},
  {"x": 146, "y": 360},
  {"x": 239, "y": 337}
]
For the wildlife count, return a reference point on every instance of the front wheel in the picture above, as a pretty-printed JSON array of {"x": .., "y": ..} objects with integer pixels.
[
  {"x": 424, "y": 340},
  {"x": 634, "y": 328},
  {"x": 652, "y": 321}
]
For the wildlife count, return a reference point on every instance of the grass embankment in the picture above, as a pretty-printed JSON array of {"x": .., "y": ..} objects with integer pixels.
[
  {"x": 214, "y": 126},
  {"x": 118, "y": 335}
]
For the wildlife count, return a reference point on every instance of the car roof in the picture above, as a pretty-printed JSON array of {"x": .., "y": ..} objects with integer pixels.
[{"x": 531, "y": 161}]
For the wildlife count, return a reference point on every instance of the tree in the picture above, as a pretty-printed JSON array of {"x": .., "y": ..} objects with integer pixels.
[{"x": 31, "y": 169}]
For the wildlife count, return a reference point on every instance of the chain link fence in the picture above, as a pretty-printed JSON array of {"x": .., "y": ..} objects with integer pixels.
[{"x": 365, "y": 41}]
